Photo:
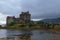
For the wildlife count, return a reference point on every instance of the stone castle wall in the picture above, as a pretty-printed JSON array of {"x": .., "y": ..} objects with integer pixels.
[{"x": 24, "y": 18}]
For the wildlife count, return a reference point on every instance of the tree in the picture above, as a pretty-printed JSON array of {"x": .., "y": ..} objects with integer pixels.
[
  {"x": 0, "y": 26},
  {"x": 12, "y": 24},
  {"x": 40, "y": 22},
  {"x": 31, "y": 25}
]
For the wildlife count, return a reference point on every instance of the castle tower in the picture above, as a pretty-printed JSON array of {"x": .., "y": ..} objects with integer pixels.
[
  {"x": 9, "y": 19},
  {"x": 25, "y": 17}
]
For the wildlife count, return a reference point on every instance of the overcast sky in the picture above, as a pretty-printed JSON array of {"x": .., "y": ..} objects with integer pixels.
[{"x": 38, "y": 8}]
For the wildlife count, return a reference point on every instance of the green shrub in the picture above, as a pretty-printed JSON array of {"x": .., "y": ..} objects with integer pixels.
[
  {"x": 12, "y": 24},
  {"x": 22, "y": 25}
]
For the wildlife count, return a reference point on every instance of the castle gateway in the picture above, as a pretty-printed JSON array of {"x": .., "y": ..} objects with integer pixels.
[{"x": 24, "y": 18}]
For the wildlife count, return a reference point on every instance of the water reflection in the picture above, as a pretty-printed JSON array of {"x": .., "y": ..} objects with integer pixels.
[
  {"x": 45, "y": 35},
  {"x": 19, "y": 34},
  {"x": 3, "y": 33},
  {"x": 33, "y": 34}
]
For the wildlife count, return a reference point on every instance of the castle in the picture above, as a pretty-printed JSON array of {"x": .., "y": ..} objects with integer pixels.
[{"x": 24, "y": 18}]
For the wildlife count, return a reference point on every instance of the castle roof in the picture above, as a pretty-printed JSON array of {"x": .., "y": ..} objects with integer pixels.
[{"x": 10, "y": 16}]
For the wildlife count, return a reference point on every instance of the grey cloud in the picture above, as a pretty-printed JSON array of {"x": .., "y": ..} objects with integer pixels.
[
  {"x": 42, "y": 8},
  {"x": 38, "y": 8},
  {"x": 11, "y": 7}
]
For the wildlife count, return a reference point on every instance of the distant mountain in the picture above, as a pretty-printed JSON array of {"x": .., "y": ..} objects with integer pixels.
[{"x": 54, "y": 20}]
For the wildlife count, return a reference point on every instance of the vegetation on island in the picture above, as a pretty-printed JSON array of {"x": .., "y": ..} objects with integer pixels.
[{"x": 39, "y": 24}]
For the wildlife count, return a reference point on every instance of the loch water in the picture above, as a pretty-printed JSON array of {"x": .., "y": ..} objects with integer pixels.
[{"x": 35, "y": 34}]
